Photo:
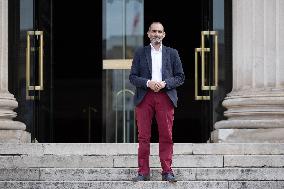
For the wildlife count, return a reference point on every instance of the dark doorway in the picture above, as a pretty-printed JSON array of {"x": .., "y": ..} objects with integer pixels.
[{"x": 77, "y": 71}]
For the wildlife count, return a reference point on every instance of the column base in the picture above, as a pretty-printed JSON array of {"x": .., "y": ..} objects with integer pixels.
[
  {"x": 14, "y": 136},
  {"x": 272, "y": 135}
]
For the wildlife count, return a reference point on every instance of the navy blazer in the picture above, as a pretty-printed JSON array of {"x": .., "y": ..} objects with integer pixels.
[{"x": 141, "y": 72}]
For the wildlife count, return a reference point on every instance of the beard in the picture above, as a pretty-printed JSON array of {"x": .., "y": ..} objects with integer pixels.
[{"x": 156, "y": 40}]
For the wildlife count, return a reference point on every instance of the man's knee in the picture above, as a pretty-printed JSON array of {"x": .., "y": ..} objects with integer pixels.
[{"x": 144, "y": 139}]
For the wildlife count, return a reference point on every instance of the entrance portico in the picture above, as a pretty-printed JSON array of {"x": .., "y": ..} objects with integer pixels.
[{"x": 255, "y": 104}]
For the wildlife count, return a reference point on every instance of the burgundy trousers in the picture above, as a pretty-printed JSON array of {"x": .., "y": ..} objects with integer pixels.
[{"x": 160, "y": 105}]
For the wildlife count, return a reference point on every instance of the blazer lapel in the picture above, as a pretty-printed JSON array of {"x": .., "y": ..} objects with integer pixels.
[
  {"x": 164, "y": 61},
  {"x": 148, "y": 57}
]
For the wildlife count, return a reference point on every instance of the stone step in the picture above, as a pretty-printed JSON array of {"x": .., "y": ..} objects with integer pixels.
[
  {"x": 126, "y": 174},
  {"x": 109, "y": 161},
  {"x": 131, "y": 149},
  {"x": 142, "y": 185}
]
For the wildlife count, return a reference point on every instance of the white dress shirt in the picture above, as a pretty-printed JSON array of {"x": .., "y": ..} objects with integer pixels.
[{"x": 156, "y": 63}]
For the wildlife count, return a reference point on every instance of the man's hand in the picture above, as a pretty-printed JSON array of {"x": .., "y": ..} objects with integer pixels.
[
  {"x": 156, "y": 86},
  {"x": 152, "y": 85},
  {"x": 160, "y": 85}
]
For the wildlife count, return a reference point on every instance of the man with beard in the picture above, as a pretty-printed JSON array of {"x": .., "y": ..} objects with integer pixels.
[{"x": 156, "y": 72}]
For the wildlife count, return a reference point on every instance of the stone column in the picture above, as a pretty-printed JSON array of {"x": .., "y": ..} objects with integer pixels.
[
  {"x": 255, "y": 107},
  {"x": 10, "y": 131}
]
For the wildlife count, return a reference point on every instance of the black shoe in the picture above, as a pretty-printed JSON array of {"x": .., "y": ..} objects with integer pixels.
[
  {"x": 168, "y": 177},
  {"x": 141, "y": 177}
]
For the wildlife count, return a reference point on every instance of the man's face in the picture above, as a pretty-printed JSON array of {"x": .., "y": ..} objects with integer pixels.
[{"x": 156, "y": 33}]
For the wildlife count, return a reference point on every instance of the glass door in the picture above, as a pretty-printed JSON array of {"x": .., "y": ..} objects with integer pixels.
[
  {"x": 30, "y": 64},
  {"x": 122, "y": 34},
  {"x": 212, "y": 74},
  {"x": 205, "y": 68}
]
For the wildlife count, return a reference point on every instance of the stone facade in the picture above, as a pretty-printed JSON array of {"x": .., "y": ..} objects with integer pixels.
[{"x": 256, "y": 104}]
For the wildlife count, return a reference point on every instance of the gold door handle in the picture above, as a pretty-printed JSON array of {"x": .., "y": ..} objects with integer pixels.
[
  {"x": 197, "y": 97},
  {"x": 28, "y": 64},
  {"x": 202, "y": 50},
  {"x": 215, "y": 34}
]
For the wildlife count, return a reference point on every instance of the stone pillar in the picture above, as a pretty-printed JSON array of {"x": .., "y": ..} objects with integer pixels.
[
  {"x": 255, "y": 107},
  {"x": 10, "y": 131}
]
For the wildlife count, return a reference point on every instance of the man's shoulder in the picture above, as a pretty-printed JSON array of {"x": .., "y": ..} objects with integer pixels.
[
  {"x": 141, "y": 49},
  {"x": 170, "y": 49}
]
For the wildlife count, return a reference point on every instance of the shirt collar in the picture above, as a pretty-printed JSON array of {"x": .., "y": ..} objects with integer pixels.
[{"x": 152, "y": 48}]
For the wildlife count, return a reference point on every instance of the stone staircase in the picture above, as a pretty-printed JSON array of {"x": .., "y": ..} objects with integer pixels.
[{"x": 106, "y": 166}]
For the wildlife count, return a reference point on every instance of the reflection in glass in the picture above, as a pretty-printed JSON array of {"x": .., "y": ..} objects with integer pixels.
[
  {"x": 26, "y": 23},
  {"x": 122, "y": 34},
  {"x": 219, "y": 26}
]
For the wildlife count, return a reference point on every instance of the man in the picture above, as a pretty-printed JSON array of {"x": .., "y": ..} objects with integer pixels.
[{"x": 156, "y": 72}]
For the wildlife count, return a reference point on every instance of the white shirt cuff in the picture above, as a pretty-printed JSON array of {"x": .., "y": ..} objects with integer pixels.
[{"x": 148, "y": 83}]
